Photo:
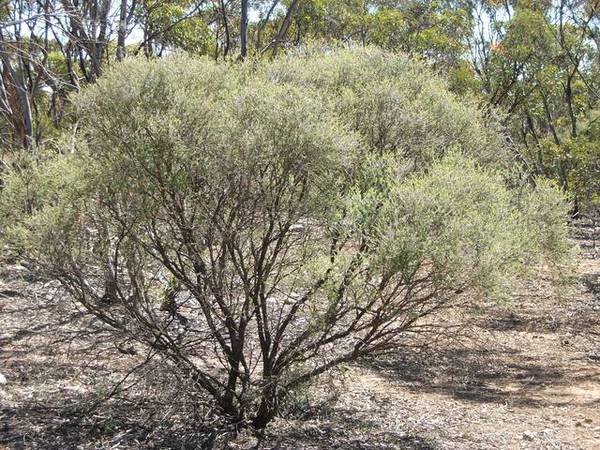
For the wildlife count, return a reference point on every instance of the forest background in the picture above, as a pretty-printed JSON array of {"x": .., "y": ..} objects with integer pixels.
[{"x": 537, "y": 62}]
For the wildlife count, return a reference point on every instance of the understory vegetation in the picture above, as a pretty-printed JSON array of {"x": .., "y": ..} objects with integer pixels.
[{"x": 255, "y": 225}]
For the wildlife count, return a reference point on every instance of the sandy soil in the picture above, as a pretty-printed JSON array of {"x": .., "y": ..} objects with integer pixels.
[{"x": 527, "y": 376}]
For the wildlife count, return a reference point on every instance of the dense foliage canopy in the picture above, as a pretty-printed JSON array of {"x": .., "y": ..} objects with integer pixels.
[{"x": 536, "y": 62}]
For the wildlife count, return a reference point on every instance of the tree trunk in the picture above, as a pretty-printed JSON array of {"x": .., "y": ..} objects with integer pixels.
[
  {"x": 284, "y": 26},
  {"x": 268, "y": 407},
  {"x": 18, "y": 97},
  {"x": 121, "y": 52},
  {"x": 227, "y": 42},
  {"x": 244, "y": 30}
]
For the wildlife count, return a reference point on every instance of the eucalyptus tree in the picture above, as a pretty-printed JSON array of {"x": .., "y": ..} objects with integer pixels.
[{"x": 537, "y": 62}]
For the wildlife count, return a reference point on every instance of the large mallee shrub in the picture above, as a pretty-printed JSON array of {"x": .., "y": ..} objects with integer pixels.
[{"x": 257, "y": 225}]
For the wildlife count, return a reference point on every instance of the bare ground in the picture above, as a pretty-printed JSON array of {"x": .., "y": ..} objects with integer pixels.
[{"x": 526, "y": 376}]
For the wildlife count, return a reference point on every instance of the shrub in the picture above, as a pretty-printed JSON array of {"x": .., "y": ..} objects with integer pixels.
[{"x": 258, "y": 225}]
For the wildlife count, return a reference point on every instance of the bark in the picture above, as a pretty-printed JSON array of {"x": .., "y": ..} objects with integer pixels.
[
  {"x": 121, "y": 51},
  {"x": 227, "y": 42},
  {"x": 284, "y": 27},
  {"x": 244, "y": 30},
  {"x": 18, "y": 98}
]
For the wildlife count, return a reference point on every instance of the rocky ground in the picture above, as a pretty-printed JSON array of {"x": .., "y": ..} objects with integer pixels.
[{"x": 527, "y": 375}]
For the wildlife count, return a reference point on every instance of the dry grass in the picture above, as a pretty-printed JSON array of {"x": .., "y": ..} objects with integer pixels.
[{"x": 527, "y": 375}]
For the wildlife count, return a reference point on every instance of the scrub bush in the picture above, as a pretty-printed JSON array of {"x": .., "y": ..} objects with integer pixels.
[{"x": 257, "y": 225}]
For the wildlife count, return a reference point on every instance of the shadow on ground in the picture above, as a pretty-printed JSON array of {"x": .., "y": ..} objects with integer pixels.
[
  {"x": 144, "y": 425},
  {"x": 61, "y": 427},
  {"x": 61, "y": 370},
  {"x": 518, "y": 360},
  {"x": 342, "y": 431}
]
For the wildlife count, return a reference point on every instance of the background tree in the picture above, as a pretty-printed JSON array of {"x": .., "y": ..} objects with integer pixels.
[{"x": 535, "y": 60}]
